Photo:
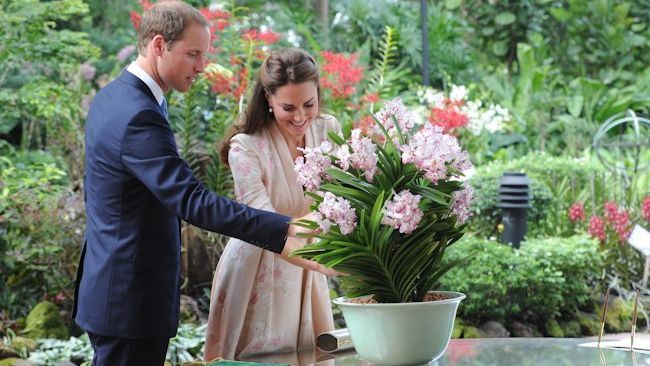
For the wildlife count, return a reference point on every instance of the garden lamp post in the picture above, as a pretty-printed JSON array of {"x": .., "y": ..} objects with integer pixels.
[
  {"x": 514, "y": 201},
  {"x": 424, "y": 14}
]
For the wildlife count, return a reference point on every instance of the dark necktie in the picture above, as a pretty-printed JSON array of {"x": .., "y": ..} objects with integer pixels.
[{"x": 163, "y": 106}]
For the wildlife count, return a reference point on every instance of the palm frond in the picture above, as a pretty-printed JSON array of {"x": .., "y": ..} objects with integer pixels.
[
  {"x": 388, "y": 49},
  {"x": 218, "y": 177},
  {"x": 387, "y": 74},
  {"x": 187, "y": 124}
]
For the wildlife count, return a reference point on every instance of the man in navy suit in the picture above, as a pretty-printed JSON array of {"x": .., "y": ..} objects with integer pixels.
[{"x": 137, "y": 189}]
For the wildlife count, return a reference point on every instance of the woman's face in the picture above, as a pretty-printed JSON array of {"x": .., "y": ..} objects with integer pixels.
[{"x": 294, "y": 107}]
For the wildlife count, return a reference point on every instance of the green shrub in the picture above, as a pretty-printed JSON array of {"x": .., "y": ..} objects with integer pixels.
[
  {"x": 546, "y": 278},
  {"x": 41, "y": 224},
  {"x": 44, "y": 321},
  {"x": 556, "y": 183},
  {"x": 485, "y": 278},
  {"x": 557, "y": 275},
  {"x": 46, "y": 73}
]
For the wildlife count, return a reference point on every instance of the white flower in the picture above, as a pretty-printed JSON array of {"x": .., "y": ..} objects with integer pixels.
[
  {"x": 364, "y": 155},
  {"x": 431, "y": 97},
  {"x": 458, "y": 93},
  {"x": 402, "y": 212},
  {"x": 311, "y": 168},
  {"x": 343, "y": 155},
  {"x": 432, "y": 151},
  {"x": 461, "y": 201},
  {"x": 421, "y": 114},
  {"x": 395, "y": 110},
  {"x": 336, "y": 210},
  {"x": 491, "y": 119}
]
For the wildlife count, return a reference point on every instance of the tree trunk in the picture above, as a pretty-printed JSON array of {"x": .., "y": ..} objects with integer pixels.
[
  {"x": 321, "y": 8},
  {"x": 424, "y": 12}
]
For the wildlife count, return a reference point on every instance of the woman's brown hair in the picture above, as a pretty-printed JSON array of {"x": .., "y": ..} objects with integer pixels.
[{"x": 282, "y": 67}]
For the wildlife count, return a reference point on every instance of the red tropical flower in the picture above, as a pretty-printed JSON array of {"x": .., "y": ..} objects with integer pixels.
[
  {"x": 227, "y": 83},
  {"x": 645, "y": 209},
  {"x": 211, "y": 15},
  {"x": 221, "y": 24},
  {"x": 218, "y": 22},
  {"x": 370, "y": 98},
  {"x": 622, "y": 225},
  {"x": 266, "y": 37},
  {"x": 269, "y": 37},
  {"x": 341, "y": 74},
  {"x": 136, "y": 17},
  {"x": 242, "y": 83},
  {"x": 449, "y": 118},
  {"x": 365, "y": 124},
  {"x": 611, "y": 211},
  {"x": 577, "y": 212},
  {"x": 597, "y": 228},
  {"x": 220, "y": 84}
]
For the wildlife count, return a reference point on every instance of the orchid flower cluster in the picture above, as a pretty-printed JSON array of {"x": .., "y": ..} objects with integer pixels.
[
  {"x": 401, "y": 184},
  {"x": 433, "y": 152}
]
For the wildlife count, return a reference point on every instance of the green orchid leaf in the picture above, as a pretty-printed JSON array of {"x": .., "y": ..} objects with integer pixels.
[
  {"x": 362, "y": 198},
  {"x": 338, "y": 140},
  {"x": 432, "y": 194},
  {"x": 375, "y": 217}
]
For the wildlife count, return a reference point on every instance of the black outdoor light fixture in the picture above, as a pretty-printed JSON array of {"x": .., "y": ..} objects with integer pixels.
[{"x": 514, "y": 201}]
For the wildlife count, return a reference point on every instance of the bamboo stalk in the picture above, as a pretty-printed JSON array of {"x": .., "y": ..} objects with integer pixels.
[
  {"x": 634, "y": 313},
  {"x": 592, "y": 181},
  {"x": 602, "y": 317}
]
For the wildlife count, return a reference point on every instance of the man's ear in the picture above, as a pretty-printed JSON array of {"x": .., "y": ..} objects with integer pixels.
[{"x": 158, "y": 44}]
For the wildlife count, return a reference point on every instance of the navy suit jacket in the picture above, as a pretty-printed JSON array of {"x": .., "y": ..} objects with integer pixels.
[{"x": 137, "y": 189}]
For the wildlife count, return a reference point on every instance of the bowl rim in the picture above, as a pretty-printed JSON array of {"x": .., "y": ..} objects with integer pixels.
[{"x": 456, "y": 297}]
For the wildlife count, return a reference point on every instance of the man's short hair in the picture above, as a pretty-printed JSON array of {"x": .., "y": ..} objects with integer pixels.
[{"x": 169, "y": 19}]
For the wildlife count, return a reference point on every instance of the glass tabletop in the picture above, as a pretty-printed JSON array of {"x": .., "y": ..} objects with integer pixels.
[{"x": 487, "y": 351}]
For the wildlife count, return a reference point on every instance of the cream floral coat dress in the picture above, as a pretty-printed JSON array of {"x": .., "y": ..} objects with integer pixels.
[{"x": 259, "y": 302}]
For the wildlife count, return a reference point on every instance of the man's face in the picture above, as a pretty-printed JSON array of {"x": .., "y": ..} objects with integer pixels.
[{"x": 179, "y": 66}]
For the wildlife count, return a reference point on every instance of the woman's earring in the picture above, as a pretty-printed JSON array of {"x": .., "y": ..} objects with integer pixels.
[{"x": 270, "y": 110}]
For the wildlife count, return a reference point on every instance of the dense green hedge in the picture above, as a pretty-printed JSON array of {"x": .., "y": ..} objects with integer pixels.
[
  {"x": 544, "y": 279},
  {"x": 556, "y": 182}
]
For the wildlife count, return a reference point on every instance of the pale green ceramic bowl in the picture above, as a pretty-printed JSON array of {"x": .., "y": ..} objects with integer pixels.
[{"x": 401, "y": 333}]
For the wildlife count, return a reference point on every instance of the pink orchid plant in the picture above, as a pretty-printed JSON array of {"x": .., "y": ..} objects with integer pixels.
[{"x": 387, "y": 204}]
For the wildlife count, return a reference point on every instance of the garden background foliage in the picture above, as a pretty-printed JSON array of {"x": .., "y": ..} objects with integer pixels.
[{"x": 537, "y": 79}]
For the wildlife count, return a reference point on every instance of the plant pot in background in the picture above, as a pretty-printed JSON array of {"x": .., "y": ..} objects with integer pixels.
[{"x": 394, "y": 334}]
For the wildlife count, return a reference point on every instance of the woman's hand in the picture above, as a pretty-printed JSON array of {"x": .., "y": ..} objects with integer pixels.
[{"x": 293, "y": 244}]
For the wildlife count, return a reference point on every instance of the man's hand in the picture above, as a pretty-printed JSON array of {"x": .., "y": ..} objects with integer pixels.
[
  {"x": 294, "y": 229},
  {"x": 293, "y": 244}
]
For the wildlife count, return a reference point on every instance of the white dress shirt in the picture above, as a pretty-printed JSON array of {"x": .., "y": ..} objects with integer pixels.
[{"x": 136, "y": 70}]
